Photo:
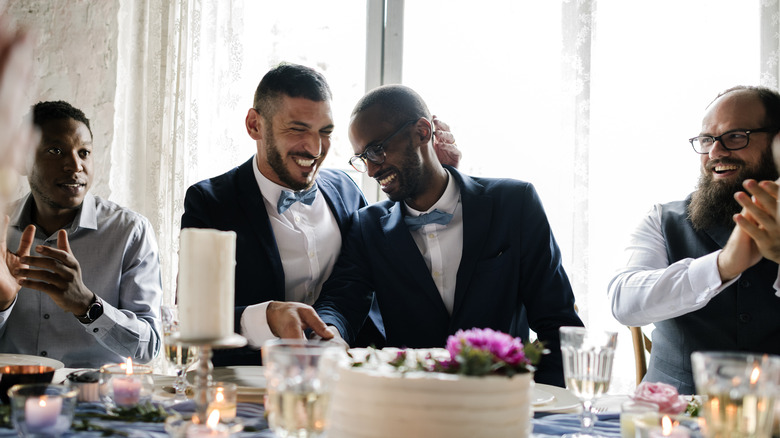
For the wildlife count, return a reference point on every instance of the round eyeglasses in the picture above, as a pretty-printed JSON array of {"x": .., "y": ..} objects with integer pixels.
[
  {"x": 730, "y": 140},
  {"x": 375, "y": 153}
]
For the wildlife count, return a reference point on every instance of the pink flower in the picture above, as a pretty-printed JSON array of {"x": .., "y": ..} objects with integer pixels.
[
  {"x": 502, "y": 346},
  {"x": 661, "y": 394}
]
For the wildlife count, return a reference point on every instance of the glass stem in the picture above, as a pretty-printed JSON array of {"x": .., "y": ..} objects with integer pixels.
[{"x": 587, "y": 418}]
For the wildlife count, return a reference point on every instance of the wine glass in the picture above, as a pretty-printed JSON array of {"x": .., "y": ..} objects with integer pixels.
[
  {"x": 180, "y": 357},
  {"x": 587, "y": 368}
]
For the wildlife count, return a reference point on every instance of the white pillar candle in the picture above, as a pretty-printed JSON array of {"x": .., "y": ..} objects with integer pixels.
[
  {"x": 41, "y": 412},
  {"x": 207, "y": 269}
]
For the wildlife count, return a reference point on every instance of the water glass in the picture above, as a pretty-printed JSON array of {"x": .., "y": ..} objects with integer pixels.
[
  {"x": 300, "y": 375},
  {"x": 739, "y": 392},
  {"x": 41, "y": 409},
  {"x": 180, "y": 357},
  {"x": 634, "y": 410},
  {"x": 587, "y": 368}
]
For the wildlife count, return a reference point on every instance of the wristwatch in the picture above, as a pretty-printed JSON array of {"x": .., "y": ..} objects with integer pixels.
[{"x": 94, "y": 311}]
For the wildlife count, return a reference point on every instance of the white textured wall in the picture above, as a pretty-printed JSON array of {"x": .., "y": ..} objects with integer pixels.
[{"x": 76, "y": 61}]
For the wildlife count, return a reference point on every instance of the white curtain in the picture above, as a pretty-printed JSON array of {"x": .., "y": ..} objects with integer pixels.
[{"x": 175, "y": 103}]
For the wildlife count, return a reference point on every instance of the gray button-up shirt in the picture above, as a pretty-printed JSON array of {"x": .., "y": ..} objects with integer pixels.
[{"x": 119, "y": 262}]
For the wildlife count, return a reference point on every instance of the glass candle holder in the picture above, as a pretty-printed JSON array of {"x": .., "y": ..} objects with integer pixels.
[
  {"x": 125, "y": 386},
  {"x": 633, "y": 410},
  {"x": 222, "y": 396},
  {"x": 41, "y": 409}
]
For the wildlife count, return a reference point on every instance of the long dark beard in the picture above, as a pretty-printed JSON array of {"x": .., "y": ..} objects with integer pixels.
[{"x": 713, "y": 203}]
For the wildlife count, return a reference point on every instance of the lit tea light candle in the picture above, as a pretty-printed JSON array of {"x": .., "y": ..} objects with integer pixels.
[
  {"x": 669, "y": 430},
  {"x": 224, "y": 402},
  {"x": 41, "y": 413},
  {"x": 211, "y": 429},
  {"x": 127, "y": 388}
]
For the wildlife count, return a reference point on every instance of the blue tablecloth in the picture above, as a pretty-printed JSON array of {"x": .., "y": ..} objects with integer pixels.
[{"x": 251, "y": 416}]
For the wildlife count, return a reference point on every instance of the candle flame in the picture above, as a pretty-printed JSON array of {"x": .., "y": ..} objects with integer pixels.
[
  {"x": 666, "y": 425},
  {"x": 754, "y": 375},
  {"x": 42, "y": 402},
  {"x": 129, "y": 366},
  {"x": 213, "y": 419},
  {"x": 220, "y": 396}
]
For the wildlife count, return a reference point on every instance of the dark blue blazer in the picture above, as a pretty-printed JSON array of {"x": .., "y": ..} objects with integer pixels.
[
  {"x": 511, "y": 265},
  {"x": 233, "y": 202}
]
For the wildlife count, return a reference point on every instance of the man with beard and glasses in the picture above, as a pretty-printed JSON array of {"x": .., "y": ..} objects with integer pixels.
[
  {"x": 88, "y": 273},
  {"x": 290, "y": 216},
  {"x": 446, "y": 252},
  {"x": 705, "y": 283}
]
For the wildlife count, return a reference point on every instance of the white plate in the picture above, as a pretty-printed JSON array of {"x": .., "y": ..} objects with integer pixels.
[
  {"x": 564, "y": 400},
  {"x": 24, "y": 359},
  {"x": 540, "y": 397}
]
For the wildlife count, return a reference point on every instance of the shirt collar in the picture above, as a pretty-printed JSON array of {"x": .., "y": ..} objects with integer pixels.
[
  {"x": 86, "y": 217},
  {"x": 448, "y": 201}
]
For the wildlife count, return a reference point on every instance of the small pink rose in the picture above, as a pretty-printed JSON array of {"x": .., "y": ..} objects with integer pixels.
[{"x": 661, "y": 394}]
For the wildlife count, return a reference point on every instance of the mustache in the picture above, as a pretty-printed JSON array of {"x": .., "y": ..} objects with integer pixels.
[{"x": 718, "y": 161}]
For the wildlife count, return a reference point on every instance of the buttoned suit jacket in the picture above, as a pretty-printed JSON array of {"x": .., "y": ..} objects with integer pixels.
[
  {"x": 233, "y": 202},
  {"x": 510, "y": 275}
]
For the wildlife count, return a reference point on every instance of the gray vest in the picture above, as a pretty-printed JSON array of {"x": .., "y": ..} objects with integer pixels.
[{"x": 743, "y": 317}]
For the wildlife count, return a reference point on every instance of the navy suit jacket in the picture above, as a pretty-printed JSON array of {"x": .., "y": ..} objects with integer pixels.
[
  {"x": 233, "y": 202},
  {"x": 510, "y": 264}
]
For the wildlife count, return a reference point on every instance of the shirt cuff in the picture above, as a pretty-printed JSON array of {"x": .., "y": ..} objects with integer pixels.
[
  {"x": 777, "y": 283},
  {"x": 254, "y": 325},
  {"x": 7, "y": 312},
  {"x": 705, "y": 278}
]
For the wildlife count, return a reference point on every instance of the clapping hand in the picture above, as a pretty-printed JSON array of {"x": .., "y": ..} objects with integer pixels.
[{"x": 759, "y": 216}]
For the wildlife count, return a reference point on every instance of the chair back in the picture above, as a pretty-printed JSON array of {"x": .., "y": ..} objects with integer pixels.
[{"x": 642, "y": 347}]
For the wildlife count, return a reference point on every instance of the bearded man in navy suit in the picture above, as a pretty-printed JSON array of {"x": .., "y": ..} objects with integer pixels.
[
  {"x": 445, "y": 252},
  {"x": 290, "y": 216}
]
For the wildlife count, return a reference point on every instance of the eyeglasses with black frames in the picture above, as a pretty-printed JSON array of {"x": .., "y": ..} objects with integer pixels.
[
  {"x": 375, "y": 153},
  {"x": 733, "y": 140}
]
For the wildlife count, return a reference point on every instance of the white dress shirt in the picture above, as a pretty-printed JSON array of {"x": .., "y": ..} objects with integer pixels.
[
  {"x": 648, "y": 289},
  {"x": 442, "y": 245},
  {"x": 309, "y": 242}
]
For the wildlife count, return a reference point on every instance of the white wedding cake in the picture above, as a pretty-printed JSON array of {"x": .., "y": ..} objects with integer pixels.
[{"x": 380, "y": 400}]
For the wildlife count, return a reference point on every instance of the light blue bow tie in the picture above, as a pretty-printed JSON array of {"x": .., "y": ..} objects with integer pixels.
[
  {"x": 435, "y": 217},
  {"x": 287, "y": 198}
]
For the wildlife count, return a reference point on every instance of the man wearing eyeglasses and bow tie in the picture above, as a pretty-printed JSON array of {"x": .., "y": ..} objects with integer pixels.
[
  {"x": 445, "y": 252},
  {"x": 290, "y": 215},
  {"x": 705, "y": 283}
]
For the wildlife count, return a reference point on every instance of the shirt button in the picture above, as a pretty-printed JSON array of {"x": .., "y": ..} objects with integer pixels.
[
  {"x": 431, "y": 235},
  {"x": 745, "y": 317},
  {"x": 297, "y": 218},
  {"x": 44, "y": 353},
  {"x": 311, "y": 254},
  {"x": 744, "y": 283},
  {"x": 45, "y": 316},
  {"x": 95, "y": 330},
  {"x": 436, "y": 274}
]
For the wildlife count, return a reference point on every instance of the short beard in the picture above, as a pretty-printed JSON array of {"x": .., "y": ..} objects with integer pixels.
[
  {"x": 276, "y": 161},
  {"x": 713, "y": 204},
  {"x": 410, "y": 175}
]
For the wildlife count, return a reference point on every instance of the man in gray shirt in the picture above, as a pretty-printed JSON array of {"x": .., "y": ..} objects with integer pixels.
[{"x": 90, "y": 292}]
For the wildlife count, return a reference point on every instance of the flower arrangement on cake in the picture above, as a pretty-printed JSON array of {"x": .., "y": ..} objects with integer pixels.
[{"x": 475, "y": 352}]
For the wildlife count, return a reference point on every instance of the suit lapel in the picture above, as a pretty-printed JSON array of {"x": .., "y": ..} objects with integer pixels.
[
  {"x": 477, "y": 216},
  {"x": 720, "y": 235},
  {"x": 251, "y": 201},
  {"x": 406, "y": 256}
]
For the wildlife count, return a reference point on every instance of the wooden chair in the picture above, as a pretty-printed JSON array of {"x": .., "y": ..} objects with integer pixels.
[{"x": 642, "y": 344}]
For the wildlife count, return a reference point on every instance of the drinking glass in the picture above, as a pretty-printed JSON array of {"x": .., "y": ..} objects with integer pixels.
[
  {"x": 180, "y": 357},
  {"x": 739, "y": 392},
  {"x": 300, "y": 375},
  {"x": 587, "y": 368}
]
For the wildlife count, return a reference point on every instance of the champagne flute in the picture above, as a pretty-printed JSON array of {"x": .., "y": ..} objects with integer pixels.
[
  {"x": 180, "y": 357},
  {"x": 587, "y": 368}
]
